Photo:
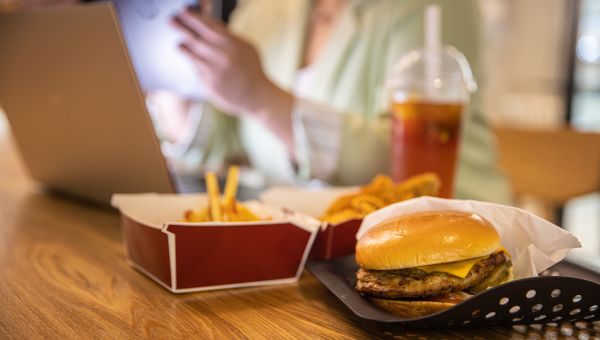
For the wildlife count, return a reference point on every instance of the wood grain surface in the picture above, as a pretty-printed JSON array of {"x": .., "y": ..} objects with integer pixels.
[{"x": 64, "y": 275}]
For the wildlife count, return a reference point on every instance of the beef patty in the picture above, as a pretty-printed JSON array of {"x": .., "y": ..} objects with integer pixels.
[{"x": 416, "y": 283}]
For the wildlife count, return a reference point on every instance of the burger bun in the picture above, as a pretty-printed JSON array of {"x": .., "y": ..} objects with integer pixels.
[
  {"x": 412, "y": 308},
  {"x": 426, "y": 238}
]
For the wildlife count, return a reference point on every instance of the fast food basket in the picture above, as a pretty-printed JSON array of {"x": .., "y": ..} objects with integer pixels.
[{"x": 536, "y": 245}]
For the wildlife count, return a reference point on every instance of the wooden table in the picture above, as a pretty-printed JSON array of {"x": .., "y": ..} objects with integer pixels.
[{"x": 63, "y": 274}]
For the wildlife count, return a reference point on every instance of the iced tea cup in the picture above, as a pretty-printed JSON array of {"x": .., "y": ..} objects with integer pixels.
[
  {"x": 430, "y": 89},
  {"x": 426, "y": 137}
]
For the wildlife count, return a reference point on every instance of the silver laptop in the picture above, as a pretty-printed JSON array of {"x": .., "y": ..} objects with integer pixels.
[{"x": 75, "y": 107}]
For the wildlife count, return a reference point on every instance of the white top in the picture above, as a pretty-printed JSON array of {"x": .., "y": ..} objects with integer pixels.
[
  {"x": 317, "y": 131},
  {"x": 304, "y": 78}
]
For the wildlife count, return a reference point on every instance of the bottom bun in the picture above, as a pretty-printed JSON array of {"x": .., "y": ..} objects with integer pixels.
[{"x": 411, "y": 309}]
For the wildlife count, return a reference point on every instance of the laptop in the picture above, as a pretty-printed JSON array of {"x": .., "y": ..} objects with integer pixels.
[{"x": 74, "y": 104}]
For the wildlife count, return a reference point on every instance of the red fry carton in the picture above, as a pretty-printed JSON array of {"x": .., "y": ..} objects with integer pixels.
[
  {"x": 186, "y": 257},
  {"x": 333, "y": 240}
]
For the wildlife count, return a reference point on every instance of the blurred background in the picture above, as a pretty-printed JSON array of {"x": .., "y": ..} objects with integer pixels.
[
  {"x": 542, "y": 68},
  {"x": 543, "y": 75},
  {"x": 537, "y": 52}
]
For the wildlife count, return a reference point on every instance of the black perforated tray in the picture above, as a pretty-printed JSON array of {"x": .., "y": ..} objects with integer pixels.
[{"x": 539, "y": 300}]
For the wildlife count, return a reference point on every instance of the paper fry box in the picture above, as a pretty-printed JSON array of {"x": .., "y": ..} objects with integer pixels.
[
  {"x": 333, "y": 240},
  {"x": 187, "y": 257}
]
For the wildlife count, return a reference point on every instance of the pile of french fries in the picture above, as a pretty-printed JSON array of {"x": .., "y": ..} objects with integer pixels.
[
  {"x": 382, "y": 191},
  {"x": 225, "y": 209}
]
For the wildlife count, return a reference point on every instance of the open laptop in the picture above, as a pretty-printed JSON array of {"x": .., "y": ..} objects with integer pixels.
[{"x": 76, "y": 110}]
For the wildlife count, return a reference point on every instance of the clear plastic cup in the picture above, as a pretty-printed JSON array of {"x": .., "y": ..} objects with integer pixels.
[{"x": 430, "y": 89}]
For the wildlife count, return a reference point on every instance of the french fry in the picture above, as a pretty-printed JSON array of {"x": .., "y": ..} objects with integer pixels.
[
  {"x": 212, "y": 188},
  {"x": 196, "y": 216},
  {"x": 231, "y": 186},
  {"x": 225, "y": 210},
  {"x": 367, "y": 203},
  {"x": 243, "y": 214},
  {"x": 378, "y": 183},
  {"x": 379, "y": 193},
  {"x": 341, "y": 203}
]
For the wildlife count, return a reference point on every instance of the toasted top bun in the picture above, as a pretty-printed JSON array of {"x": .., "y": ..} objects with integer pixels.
[{"x": 425, "y": 238}]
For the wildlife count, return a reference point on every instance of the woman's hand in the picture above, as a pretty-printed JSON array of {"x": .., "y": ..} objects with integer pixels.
[{"x": 231, "y": 70}]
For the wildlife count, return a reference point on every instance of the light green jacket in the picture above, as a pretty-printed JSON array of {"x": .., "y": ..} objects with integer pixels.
[{"x": 350, "y": 76}]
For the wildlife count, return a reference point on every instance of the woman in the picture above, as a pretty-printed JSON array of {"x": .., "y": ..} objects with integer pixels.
[{"x": 305, "y": 80}]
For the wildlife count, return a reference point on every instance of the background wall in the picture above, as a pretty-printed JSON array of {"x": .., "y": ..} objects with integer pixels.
[{"x": 526, "y": 50}]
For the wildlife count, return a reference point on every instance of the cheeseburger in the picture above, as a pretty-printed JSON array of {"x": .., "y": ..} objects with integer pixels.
[{"x": 421, "y": 263}]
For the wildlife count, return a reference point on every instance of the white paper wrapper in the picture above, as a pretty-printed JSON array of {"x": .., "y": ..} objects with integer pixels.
[
  {"x": 306, "y": 201},
  {"x": 534, "y": 243}
]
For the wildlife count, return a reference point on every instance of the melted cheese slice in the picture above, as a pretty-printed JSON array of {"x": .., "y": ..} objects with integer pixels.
[{"x": 458, "y": 268}]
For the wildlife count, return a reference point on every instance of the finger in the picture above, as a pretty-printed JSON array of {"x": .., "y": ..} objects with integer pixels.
[
  {"x": 203, "y": 27},
  {"x": 195, "y": 43},
  {"x": 177, "y": 24},
  {"x": 207, "y": 17},
  {"x": 189, "y": 52},
  {"x": 209, "y": 20},
  {"x": 201, "y": 64},
  {"x": 203, "y": 50},
  {"x": 207, "y": 7}
]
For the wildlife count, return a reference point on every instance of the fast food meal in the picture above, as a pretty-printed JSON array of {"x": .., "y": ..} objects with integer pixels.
[
  {"x": 421, "y": 263},
  {"x": 382, "y": 191},
  {"x": 226, "y": 209}
]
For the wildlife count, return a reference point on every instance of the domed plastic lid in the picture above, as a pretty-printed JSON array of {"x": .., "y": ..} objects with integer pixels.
[
  {"x": 434, "y": 72},
  {"x": 438, "y": 68}
]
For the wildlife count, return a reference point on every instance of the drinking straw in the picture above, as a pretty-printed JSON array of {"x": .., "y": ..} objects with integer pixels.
[{"x": 433, "y": 47}]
